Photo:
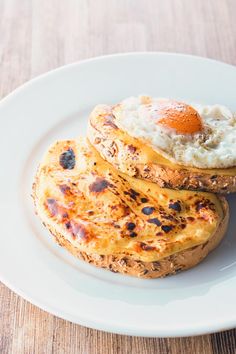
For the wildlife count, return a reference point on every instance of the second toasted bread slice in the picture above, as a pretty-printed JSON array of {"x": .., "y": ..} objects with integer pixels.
[{"x": 131, "y": 156}]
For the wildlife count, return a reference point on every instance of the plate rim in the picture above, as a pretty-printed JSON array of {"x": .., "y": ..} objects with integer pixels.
[{"x": 102, "y": 57}]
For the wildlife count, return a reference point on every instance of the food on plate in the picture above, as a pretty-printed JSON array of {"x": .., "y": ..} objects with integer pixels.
[
  {"x": 197, "y": 136},
  {"x": 115, "y": 221},
  {"x": 168, "y": 142}
]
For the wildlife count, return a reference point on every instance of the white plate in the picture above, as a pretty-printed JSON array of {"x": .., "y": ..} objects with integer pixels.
[{"x": 56, "y": 106}]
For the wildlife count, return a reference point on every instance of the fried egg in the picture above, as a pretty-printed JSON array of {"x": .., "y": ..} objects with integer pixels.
[{"x": 202, "y": 136}]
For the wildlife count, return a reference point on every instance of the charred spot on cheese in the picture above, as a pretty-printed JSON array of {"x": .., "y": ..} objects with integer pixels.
[
  {"x": 147, "y": 169},
  {"x": 56, "y": 210},
  {"x": 99, "y": 185},
  {"x": 132, "y": 149},
  {"x": 78, "y": 230},
  {"x": 130, "y": 226},
  {"x": 121, "y": 177},
  {"x": 115, "y": 207},
  {"x": 64, "y": 188},
  {"x": 132, "y": 193},
  {"x": 168, "y": 217},
  {"x": 154, "y": 221},
  {"x": 133, "y": 234},
  {"x": 109, "y": 120},
  {"x": 175, "y": 206},
  {"x": 167, "y": 228},
  {"x": 67, "y": 159},
  {"x": 148, "y": 210},
  {"x": 146, "y": 247},
  {"x": 159, "y": 233},
  {"x": 203, "y": 204},
  {"x": 190, "y": 218},
  {"x": 182, "y": 226},
  {"x": 68, "y": 225},
  {"x": 52, "y": 206},
  {"x": 144, "y": 200}
]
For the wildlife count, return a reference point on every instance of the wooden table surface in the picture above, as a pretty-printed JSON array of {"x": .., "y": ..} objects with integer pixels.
[{"x": 40, "y": 35}]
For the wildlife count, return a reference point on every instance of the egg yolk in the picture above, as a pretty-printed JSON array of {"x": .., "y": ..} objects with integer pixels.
[{"x": 179, "y": 116}]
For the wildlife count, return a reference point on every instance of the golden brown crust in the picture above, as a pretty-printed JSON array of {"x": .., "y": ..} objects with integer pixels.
[
  {"x": 121, "y": 223},
  {"x": 170, "y": 265},
  {"x": 132, "y": 157}
]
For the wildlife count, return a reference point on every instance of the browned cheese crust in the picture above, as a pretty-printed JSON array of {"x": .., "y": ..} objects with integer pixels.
[
  {"x": 167, "y": 266},
  {"x": 133, "y": 157},
  {"x": 117, "y": 222}
]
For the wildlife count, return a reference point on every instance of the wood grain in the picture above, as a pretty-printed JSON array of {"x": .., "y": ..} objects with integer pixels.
[{"x": 39, "y": 35}]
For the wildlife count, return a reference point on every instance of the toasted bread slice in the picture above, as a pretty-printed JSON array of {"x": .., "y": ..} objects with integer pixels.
[
  {"x": 118, "y": 222},
  {"x": 133, "y": 157}
]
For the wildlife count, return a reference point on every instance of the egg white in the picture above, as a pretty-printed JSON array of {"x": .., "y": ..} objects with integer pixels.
[{"x": 214, "y": 147}]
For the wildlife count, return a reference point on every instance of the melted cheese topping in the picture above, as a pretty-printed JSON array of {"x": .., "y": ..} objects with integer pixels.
[{"x": 102, "y": 211}]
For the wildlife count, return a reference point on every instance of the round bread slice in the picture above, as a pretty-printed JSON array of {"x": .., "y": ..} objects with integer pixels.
[
  {"x": 131, "y": 156},
  {"x": 117, "y": 222}
]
